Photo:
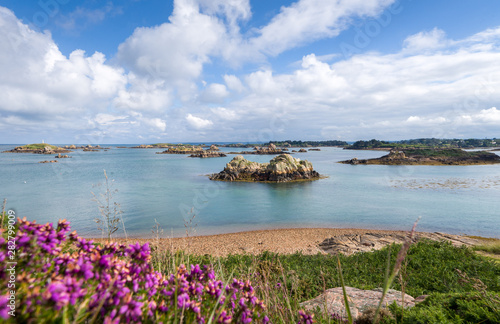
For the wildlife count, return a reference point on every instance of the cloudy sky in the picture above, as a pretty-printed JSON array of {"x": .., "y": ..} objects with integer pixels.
[{"x": 148, "y": 71}]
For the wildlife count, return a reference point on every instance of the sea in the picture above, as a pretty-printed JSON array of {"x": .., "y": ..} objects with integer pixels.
[{"x": 171, "y": 196}]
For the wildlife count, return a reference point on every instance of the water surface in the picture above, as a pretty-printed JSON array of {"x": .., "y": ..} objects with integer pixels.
[{"x": 173, "y": 188}]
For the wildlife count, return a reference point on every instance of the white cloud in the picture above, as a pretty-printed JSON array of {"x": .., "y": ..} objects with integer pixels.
[
  {"x": 214, "y": 93},
  {"x": 422, "y": 41},
  {"x": 224, "y": 113},
  {"x": 197, "y": 122},
  {"x": 308, "y": 20},
  {"x": 233, "y": 83},
  {"x": 174, "y": 51},
  {"x": 82, "y": 17}
]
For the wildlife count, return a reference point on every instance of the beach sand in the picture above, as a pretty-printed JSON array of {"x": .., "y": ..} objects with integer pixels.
[{"x": 283, "y": 241}]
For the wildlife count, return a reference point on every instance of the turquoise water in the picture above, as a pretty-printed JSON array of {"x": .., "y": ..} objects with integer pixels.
[{"x": 453, "y": 199}]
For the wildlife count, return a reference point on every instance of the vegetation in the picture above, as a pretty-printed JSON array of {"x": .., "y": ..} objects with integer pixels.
[
  {"x": 63, "y": 278},
  {"x": 452, "y": 153},
  {"x": 38, "y": 146},
  {"x": 425, "y": 143},
  {"x": 290, "y": 143}
]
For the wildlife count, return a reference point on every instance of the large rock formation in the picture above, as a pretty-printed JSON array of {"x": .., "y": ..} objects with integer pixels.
[{"x": 282, "y": 168}]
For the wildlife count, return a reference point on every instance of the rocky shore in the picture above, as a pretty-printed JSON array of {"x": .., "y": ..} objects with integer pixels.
[
  {"x": 431, "y": 157},
  {"x": 307, "y": 241},
  {"x": 283, "y": 168}
]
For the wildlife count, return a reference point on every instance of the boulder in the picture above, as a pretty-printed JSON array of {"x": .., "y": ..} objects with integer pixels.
[
  {"x": 302, "y": 150},
  {"x": 360, "y": 301}
]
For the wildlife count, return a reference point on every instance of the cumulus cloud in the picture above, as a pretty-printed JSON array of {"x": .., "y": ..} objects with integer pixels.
[
  {"x": 308, "y": 20},
  {"x": 197, "y": 122},
  {"x": 422, "y": 41},
  {"x": 40, "y": 80},
  {"x": 214, "y": 93}
]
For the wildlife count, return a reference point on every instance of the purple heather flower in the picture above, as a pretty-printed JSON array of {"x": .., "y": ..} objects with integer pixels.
[
  {"x": 305, "y": 318},
  {"x": 4, "y": 310},
  {"x": 57, "y": 292}
]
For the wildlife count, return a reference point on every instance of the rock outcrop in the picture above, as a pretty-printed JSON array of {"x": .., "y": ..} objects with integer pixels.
[
  {"x": 208, "y": 154},
  {"x": 38, "y": 149},
  {"x": 257, "y": 150},
  {"x": 213, "y": 148},
  {"x": 282, "y": 168},
  {"x": 302, "y": 151},
  {"x": 315, "y": 149},
  {"x": 182, "y": 150},
  {"x": 52, "y": 161},
  {"x": 360, "y": 301},
  {"x": 353, "y": 243},
  {"x": 60, "y": 156},
  {"x": 431, "y": 157}
]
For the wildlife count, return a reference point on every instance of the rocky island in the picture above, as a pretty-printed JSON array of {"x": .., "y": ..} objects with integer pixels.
[
  {"x": 257, "y": 150},
  {"x": 40, "y": 148},
  {"x": 182, "y": 149},
  {"x": 431, "y": 157},
  {"x": 212, "y": 151},
  {"x": 282, "y": 168}
]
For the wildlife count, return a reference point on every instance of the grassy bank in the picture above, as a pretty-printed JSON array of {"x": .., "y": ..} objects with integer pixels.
[{"x": 62, "y": 278}]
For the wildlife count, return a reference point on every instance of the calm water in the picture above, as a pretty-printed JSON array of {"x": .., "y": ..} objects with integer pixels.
[{"x": 453, "y": 199}]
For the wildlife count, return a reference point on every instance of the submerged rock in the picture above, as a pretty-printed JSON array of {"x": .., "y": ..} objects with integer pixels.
[{"x": 282, "y": 168}]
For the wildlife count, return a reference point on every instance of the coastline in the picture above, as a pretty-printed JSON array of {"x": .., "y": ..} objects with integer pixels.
[{"x": 282, "y": 241}]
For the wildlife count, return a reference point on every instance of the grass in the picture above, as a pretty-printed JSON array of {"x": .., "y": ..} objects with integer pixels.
[
  {"x": 38, "y": 146},
  {"x": 430, "y": 268},
  {"x": 451, "y": 153}
]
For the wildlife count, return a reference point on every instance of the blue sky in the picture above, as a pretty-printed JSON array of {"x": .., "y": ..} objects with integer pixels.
[{"x": 146, "y": 71}]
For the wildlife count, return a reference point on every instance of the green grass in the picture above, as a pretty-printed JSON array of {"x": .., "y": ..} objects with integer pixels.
[
  {"x": 492, "y": 248},
  {"x": 430, "y": 268},
  {"x": 38, "y": 146},
  {"x": 442, "y": 153},
  {"x": 473, "y": 307}
]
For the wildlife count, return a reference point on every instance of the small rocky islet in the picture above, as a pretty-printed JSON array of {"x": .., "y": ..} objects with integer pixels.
[
  {"x": 282, "y": 168},
  {"x": 430, "y": 157},
  {"x": 271, "y": 149}
]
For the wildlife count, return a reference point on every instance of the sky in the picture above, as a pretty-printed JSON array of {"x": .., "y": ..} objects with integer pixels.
[{"x": 150, "y": 71}]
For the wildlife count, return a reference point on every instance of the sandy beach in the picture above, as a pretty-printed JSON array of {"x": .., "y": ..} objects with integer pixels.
[{"x": 283, "y": 241}]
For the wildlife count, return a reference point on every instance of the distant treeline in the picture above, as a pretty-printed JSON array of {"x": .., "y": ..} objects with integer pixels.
[
  {"x": 426, "y": 143},
  {"x": 290, "y": 143}
]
